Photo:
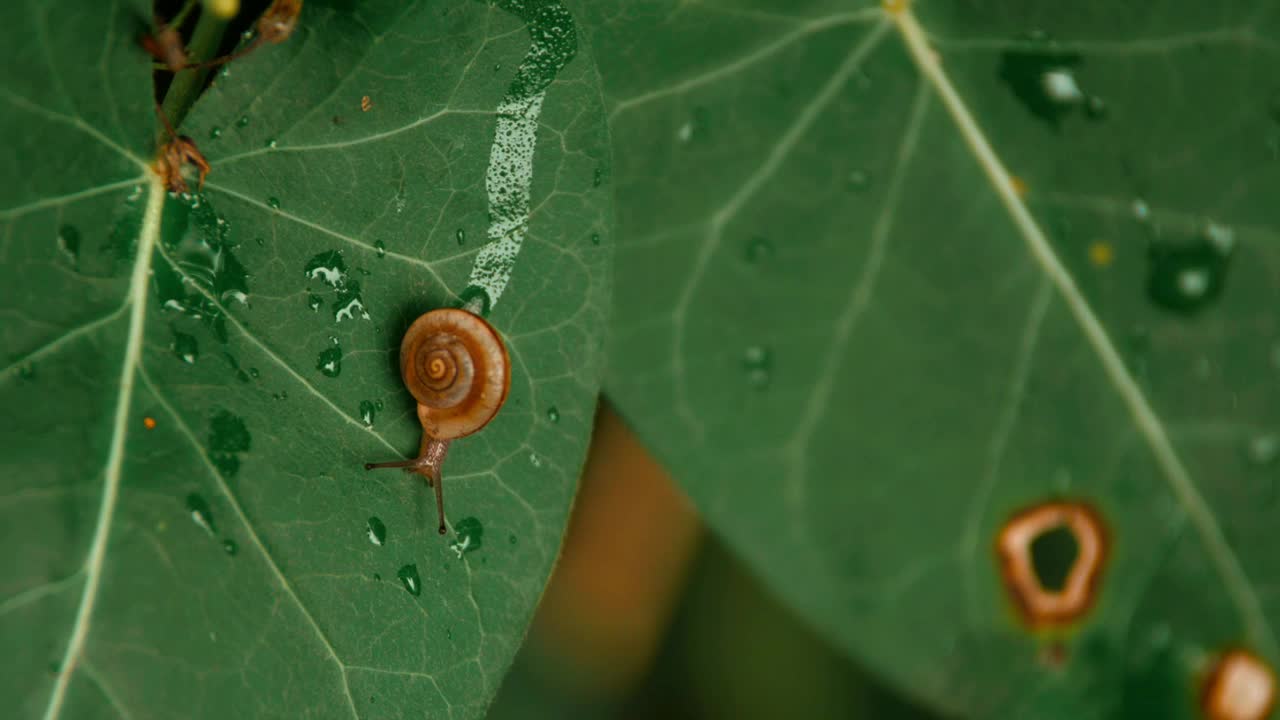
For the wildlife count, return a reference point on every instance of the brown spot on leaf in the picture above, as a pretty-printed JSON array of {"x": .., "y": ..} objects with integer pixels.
[{"x": 1041, "y": 604}]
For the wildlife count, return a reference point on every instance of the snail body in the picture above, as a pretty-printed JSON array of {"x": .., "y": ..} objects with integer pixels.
[{"x": 456, "y": 367}]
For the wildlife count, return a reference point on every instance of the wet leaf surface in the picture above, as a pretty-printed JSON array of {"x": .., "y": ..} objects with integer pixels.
[
  {"x": 874, "y": 301},
  {"x": 192, "y": 383}
]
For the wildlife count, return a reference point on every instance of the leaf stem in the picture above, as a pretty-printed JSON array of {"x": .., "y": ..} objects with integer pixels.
[
  {"x": 187, "y": 84},
  {"x": 181, "y": 17}
]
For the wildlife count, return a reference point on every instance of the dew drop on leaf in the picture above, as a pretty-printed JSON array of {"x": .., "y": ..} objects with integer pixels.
[
  {"x": 758, "y": 250},
  {"x": 757, "y": 362},
  {"x": 1140, "y": 209},
  {"x": 200, "y": 512},
  {"x": 553, "y": 414},
  {"x": 858, "y": 180},
  {"x": 229, "y": 546},
  {"x": 595, "y": 238},
  {"x": 377, "y": 531},
  {"x": 381, "y": 248},
  {"x": 215, "y": 132},
  {"x": 470, "y": 536},
  {"x": 409, "y": 578},
  {"x": 534, "y": 460},
  {"x": 1264, "y": 449},
  {"x": 185, "y": 347},
  {"x": 69, "y": 242},
  {"x": 272, "y": 144},
  {"x": 461, "y": 235},
  {"x": 243, "y": 122},
  {"x": 329, "y": 361},
  {"x": 273, "y": 202},
  {"x": 314, "y": 302},
  {"x": 367, "y": 412},
  {"x": 1185, "y": 278},
  {"x": 228, "y": 437}
]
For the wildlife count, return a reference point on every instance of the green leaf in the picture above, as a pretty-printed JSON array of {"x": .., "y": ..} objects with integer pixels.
[
  {"x": 861, "y": 344},
  {"x": 194, "y": 381}
]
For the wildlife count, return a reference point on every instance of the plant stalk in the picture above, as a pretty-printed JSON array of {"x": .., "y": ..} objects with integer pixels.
[{"x": 187, "y": 84}]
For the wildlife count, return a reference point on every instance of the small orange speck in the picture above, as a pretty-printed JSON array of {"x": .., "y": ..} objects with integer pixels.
[
  {"x": 1019, "y": 185},
  {"x": 893, "y": 7},
  {"x": 366, "y": 103},
  {"x": 1101, "y": 253},
  {"x": 149, "y": 423}
]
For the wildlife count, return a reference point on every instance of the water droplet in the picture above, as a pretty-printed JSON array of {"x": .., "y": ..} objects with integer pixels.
[
  {"x": 367, "y": 412},
  {"x": 271, "y": 143},
  {"x": 461, "y": 235},
  {"x": 314, "y": 302},
  {"x": 329, "y": 362},
  {"x": 757, "y": 361},
  {"x": 858, "y": 180},
  {"x": 229, "y": 546},
  {"x": 253, "y": 373},
  {"x": 381, "y": 248},
  {"x": 282, "y": 395},
  {"x": 597, "y": 177},
  {"x": 1140, "y": 209},
  {"x": 470, "y": 535},
  {"x": 595, "y": 238},
  {"x": 185, "y": 347},
  {"x": 758, "y": 250},
  {"x": 409, "y": 578},
  {"x": 534, "y": 460},
  {"x": 228, "y": 437},
  {"x": 1060, "y": 85},
  {"x": 377, "y": 531},
  {"x": 1186, "y": 278},
  {"x": 327, "y": 267},
  {"x": 378, "y": 405},
  {"x": 69, "y": 241},
  {"x": 273, "y": 203},
  {"x": 200, "y": 513},
  {"x": 215, "y": 132},
  {"x": 243, "y": 122},
  {"x": 511, "y": 539},
  {"x": 1264, "y": 449},
  {"x": 553, "y": 414},
  {"x": 1221, "y": 237},
  {"x": 1043, "y": 81},
  {"x": 262, "y": 242}
]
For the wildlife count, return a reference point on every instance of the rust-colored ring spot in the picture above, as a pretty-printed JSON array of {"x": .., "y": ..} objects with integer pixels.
[
  {"x": 1041, "y": 607},
  {"x": 1240, "y": 686}
]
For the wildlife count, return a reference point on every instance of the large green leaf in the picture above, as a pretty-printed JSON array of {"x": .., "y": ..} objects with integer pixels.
[
  {"x": 861, "y": 344},
  {"x": 192, "y": 384}
]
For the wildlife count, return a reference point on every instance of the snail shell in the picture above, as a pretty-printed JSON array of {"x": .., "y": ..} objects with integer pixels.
[{"x": 456, "y": 367}]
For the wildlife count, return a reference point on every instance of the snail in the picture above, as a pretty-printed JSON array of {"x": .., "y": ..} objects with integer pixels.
[{"x": 456, "y": 367}]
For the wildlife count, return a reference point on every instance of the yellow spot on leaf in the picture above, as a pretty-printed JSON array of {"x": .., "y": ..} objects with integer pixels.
[
  {"x": 894, "y": 7},
  {"x": 1019, "y": 186},
  {"x": 1101, "y": 253}
]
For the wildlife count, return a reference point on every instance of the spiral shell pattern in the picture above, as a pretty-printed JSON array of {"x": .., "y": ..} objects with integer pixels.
[{"x": 456, "y": 366}]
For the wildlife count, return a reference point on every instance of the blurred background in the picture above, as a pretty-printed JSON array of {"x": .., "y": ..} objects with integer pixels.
[{"x": 647, "y": 615}]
